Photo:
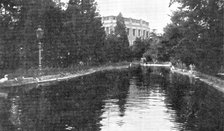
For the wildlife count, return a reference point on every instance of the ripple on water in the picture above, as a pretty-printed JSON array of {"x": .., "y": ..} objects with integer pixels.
[{"x": 145, "y": 110}]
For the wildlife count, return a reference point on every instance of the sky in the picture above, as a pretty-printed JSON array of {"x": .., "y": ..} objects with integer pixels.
[{"x": 156, "y": 12}]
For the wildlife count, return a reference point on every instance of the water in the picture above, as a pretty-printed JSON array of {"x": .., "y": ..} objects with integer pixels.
[{"x": 140, "y": 99}]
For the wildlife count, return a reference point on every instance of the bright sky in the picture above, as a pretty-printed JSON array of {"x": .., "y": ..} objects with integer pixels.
[{"x": 154, "y": 11}]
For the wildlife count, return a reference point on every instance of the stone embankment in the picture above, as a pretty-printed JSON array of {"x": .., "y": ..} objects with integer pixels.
[
  {"x": 213, "y": 81},
  {"x": 56, "y": 78}
]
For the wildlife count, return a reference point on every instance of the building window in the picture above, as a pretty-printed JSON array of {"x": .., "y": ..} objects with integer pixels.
[
  {"x": 133, "y": 32},
  {"x": 128, "y": 31},
  {"x": 147, "y": 34},
  {"x": 143, "y": 33},
  {"x": 106, "y": 18},
  {"x": 126, "y": 20},
  {"x": 107, "y": 30},
  {"x": 139, "y": 32},
  {"x": 111, "y": 31}
]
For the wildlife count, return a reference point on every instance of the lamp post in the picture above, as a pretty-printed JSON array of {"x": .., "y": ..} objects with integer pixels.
[{"x": 39, "y": 34}]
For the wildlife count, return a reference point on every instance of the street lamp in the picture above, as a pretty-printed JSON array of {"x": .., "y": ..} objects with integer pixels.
[{"x": 39, "y": 34}]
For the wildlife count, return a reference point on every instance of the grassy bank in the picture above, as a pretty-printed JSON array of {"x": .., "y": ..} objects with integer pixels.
[{"x": 51, "y": 72}]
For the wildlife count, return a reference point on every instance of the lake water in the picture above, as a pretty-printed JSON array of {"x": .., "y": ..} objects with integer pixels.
[{"x": 141, "y": 99}]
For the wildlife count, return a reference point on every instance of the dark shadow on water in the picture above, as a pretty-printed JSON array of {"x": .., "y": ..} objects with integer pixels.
[
  {"x": 69, "y": 105},
  {"x": 78, "y": 104},
  {"x": 198, "y": 106}
]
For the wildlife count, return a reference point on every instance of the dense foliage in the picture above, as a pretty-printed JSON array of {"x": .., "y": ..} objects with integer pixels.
[
  {"x": 117, "y": 44},
  {"x": 152, "y": 48},
  {"x": 71, "y": 35},
  {"x": 196, "y": 34}
]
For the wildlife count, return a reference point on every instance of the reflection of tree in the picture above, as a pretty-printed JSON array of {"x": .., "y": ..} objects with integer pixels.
[
  {"x": 156, "y": 75},
  {"x": 5, "y": 123},
  {"x": 71, "y": 105},
  {"x": 137, "y": 74},
  {"x": 123, "y": 89},
  {"x": 74, "y": 105},
  {"x": 118, "y": 88},
  {"x": 15, "y": 112},
  {"x": 198, "y": 107}
]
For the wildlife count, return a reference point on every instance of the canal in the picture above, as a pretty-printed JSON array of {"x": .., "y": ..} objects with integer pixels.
[{"x": 141, "y": 99}]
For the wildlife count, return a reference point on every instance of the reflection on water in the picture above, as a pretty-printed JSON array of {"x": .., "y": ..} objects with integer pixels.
[
  {"x": 145, "y": 108},
  {"x": 144, "y": 99}
]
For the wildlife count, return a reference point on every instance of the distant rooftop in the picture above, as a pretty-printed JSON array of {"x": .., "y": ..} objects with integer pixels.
[{"x": 111, "y": 17}]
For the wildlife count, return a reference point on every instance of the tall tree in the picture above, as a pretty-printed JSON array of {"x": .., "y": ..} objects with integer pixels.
[
  {"x": 138, "y": 49},
  {"x": 93, "y": 32},
  {"x": 150, "y": 48},
  {"x": 25, "y": 16},
  {"x": 54, "y": 48},
  {"x": 86, "y": 28},
  {"x": 71, "y": 35},
  {"x": 8, "y": 35},
  {"x": 120, "y": 32},
  {"x": 196, "y": 33}
]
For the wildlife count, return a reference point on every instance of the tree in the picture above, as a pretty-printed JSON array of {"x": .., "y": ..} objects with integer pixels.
[
  {"x": 24, "y": 16},
  {"x": 112, "y": 48},
  {"x": 117, "y": 44},
  {"x": 8, "y": 48},
  {"x": 121, "y": 34},
  {"x": 150, "y": 48},
  {"x": 71, "y": 35},
  {"x": 196, "y": 33},
  {"x": 138, "y": 48},
  {"x": 87, "y": 33},
  {"x": 55, "y": 50}
]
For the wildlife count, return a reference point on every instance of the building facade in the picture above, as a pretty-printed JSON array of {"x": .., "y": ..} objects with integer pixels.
[{"x": 134, "y": 27}]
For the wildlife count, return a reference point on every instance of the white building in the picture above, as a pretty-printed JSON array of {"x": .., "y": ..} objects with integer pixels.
[{"x": 135, "y": 28}]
